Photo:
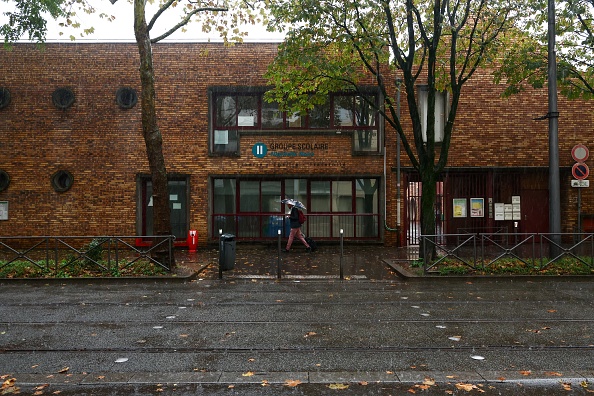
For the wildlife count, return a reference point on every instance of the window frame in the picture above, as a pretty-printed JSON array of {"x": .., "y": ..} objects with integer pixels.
[
  {"x": 231, "y": 134},
  {"x": 441, "y": 111}
]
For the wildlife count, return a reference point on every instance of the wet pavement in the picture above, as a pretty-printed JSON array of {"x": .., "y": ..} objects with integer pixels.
[
  {"x": 372, "y": 262},
  {"x": 309, "y": 333}
]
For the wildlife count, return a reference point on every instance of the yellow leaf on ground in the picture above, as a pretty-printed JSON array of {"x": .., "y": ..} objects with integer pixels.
[
  {"x": 248, "y": 374},
  {"x": 64, "y": 370},
  {"x": 429, "y": 381},
  {"x": 338, "y": 386},
  {"x": 525, "y": 372},
  {"x": 466, "y": 387},
  {"x": 292, "y": 383}
]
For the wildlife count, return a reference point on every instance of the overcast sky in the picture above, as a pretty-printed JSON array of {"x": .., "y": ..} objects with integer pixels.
[{"x": 122, "y": 28}]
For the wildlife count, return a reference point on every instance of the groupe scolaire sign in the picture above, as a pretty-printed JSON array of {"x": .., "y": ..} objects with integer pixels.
[{"x": 290, "y": 149}]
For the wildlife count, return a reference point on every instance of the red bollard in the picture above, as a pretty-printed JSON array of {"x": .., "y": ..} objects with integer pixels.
[{"x": 192, "y": 241}]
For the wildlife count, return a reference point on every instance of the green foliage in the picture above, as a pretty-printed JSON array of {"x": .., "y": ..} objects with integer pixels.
[
  {"x": 512, "y": 266},
  {"x": 70, "y": 267},
  {"x": 525, "y": 64},
  {"x": 334, "y": 45}
]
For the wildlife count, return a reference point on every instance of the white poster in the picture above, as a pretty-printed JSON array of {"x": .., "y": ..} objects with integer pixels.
[
  {"x": 3, "y": 210},
  {"x": 221, "y": 137},
  {"x": 499, "y": 212},
  {"x": 245, "y": 121}
]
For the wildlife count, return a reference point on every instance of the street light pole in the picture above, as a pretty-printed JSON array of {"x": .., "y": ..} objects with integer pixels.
[{"x": 553, "y": 116}]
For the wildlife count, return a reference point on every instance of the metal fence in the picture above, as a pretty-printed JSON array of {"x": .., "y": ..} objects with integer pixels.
[
  {"x": 104, "y": 253},
  {"x": 483, "y": 250}
]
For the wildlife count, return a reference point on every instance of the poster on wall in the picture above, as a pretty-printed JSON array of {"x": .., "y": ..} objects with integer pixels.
[
  {"x": 3, "y": 210},
  {"x": 499, "y": 213},
  {"x": 477, "y": 207},
  {"x": 459, "y": 207},
  {"x": 221, "y": 137}
]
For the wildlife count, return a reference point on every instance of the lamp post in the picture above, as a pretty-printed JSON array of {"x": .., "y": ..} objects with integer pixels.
[{"x": 553, "y": 116}]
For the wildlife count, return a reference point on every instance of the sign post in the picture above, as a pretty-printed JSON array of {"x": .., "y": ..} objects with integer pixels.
[{"x": 580, "y": 172}]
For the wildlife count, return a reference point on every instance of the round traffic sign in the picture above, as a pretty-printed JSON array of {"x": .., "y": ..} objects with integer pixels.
[
  {"x": 580, "y": 153},
  {"x": 580, "y": 171}
]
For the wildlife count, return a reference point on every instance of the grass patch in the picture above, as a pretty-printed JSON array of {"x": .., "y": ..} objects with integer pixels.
[
  {"x": 508, "y": 266},
  {"x": 78, "y": 268}
]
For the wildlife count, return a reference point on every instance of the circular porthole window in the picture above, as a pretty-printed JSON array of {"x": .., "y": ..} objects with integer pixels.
[
  {"x": 4, "y": 180},
  {"x": 126, "y": 97},
  {"x": 4, "y": 97},
  {"x": 63, "y": 98},
  {"x": 62, "y": 180}
]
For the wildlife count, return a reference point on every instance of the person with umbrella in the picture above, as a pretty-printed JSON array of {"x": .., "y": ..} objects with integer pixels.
[{"x": 295, "y": 206}]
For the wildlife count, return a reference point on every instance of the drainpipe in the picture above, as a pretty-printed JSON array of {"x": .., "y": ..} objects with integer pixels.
[{"x": 398, "y": 197}]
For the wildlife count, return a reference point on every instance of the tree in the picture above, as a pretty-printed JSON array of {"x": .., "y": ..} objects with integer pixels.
[
  {"x": 150, "y": 129},
  {"x": 525, "y": 63},
  {"x": 336, "y": 45},
  {"x": 29, "y": 17}
]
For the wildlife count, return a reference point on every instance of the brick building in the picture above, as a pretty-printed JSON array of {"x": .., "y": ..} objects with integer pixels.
[{"x": 73, "y": 160}]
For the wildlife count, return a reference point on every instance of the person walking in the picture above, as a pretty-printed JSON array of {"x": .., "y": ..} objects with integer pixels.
[{"x": 295, "y": 227}]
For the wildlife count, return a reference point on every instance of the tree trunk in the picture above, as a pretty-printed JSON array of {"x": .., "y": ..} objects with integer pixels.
[
  {"x": 428, "y": 199},
  {"x": 152, "y": 135}
]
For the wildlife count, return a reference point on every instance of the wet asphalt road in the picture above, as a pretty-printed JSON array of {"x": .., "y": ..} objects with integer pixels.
[{"x": 298, "y": 337}]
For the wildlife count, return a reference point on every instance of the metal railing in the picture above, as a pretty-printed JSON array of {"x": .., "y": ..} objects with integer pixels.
[
  {"x": 104, "y": 253},
  {"x": 323, "y": 226},
  {"x": 484, "y": 250}
]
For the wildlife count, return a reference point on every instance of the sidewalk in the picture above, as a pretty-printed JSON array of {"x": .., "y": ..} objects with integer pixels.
[{"x": 262, "y": 261}]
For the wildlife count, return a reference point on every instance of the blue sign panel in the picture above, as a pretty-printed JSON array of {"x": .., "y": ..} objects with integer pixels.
[{"x": 259, "y": 150}]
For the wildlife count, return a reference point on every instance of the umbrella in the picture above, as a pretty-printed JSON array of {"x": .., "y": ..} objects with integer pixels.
[{"x": 297, "y": 204}]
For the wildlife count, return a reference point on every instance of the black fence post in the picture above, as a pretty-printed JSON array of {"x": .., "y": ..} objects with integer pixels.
[
  {"x": 341, "y": 253},
  {"x": 220, "y": 253},
  {"x": 278, "y": 261}
]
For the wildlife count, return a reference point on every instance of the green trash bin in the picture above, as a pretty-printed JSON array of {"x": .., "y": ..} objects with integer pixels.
[{"x": 227, "y": 252}]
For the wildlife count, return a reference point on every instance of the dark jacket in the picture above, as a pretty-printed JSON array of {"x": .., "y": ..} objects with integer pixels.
[{"x": 294, "y": 218}]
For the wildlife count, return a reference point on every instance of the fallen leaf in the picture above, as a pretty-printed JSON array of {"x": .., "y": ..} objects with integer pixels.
[
  {"x": 265, "y": 383},
  {"x": 363, "y": 383},
  {"x": 466, "y": 387},
  {"x": 566, "y": 386},
  {"x": 525, "y": 372},
  {"x": 309, "y": 334},
  {"x": 429, "y": 381},
  {"x": 553, "y": 374},
  {"x": 338, "y": 386},
  {"x": 248, "y": 374},
  {"x": 292, "y": 383},
  {"x": 64, "y": 370}
]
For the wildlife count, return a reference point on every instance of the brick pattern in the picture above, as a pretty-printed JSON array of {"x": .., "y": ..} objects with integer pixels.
[{"x": 102, "y": 145}]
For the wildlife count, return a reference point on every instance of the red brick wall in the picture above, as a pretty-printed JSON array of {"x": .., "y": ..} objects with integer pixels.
[{"x": 102, "y": 145}]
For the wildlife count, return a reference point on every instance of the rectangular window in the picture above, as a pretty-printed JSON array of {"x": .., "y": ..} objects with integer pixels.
[
  {"x": 246, "y": 110},
  {"x": 255, "y": 211},
  {"x": 441, "y": 112}
]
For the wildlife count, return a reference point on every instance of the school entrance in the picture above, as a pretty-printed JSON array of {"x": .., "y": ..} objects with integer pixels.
[{"x": 485, "y": 201}]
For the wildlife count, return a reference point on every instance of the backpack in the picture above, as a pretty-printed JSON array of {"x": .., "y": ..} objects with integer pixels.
[{"x": 302, "y": 217}]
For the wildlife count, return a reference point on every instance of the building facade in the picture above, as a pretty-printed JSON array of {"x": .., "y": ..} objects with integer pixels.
[{"x": 73, "y": 159}]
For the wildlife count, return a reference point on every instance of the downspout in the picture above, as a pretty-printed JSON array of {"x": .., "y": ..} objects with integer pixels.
[{"x": 398, "y": 198}]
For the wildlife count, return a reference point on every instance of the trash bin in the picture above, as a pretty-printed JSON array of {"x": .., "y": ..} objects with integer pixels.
[{"x": 227, "y": 252}]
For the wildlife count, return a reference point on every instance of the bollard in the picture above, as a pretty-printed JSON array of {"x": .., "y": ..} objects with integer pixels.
[
  {"x": 341, "y": 254},
  {"x": 220, "y": 253},
  {"x": 278, "y": 262}
]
